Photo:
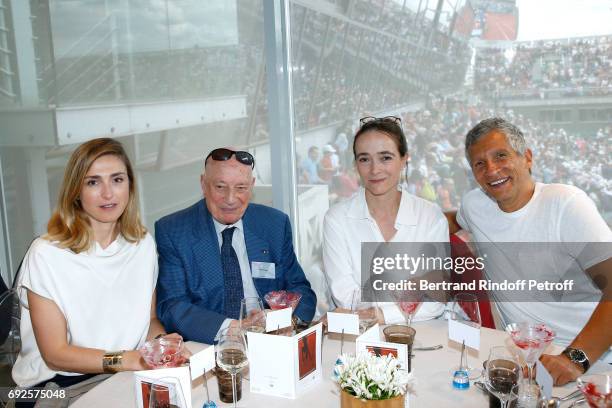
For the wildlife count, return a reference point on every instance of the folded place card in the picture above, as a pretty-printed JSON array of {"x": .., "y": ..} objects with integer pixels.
[
  {"x": 278, "y": 319},
  {"x": 164, "y": 386},
  {"x": 202, "y": 362},
  {"x": 283, "y": 366},
  {"x": 347, "y": 322},
  {"x": 544, "y": 378},
  {"x": 460, "y": 332}
]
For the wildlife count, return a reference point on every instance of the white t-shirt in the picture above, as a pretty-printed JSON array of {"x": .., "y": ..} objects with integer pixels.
[
  {"x": 555, "y": 213},
  {"x": 349, "y": 223},
  {"x": 104, "y": 294}
]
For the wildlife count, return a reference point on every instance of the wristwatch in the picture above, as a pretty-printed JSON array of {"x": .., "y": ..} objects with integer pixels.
[{"x": 577, "y": 357}]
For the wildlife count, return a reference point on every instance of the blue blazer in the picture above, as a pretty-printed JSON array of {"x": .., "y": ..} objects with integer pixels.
[{"x": 190, "y": 292}]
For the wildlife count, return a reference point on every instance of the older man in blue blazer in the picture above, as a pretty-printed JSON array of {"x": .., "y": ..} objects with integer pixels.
[{"x": 222, "y": 249}]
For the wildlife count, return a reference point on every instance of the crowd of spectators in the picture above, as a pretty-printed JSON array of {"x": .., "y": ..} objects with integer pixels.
[
  {"x": 370, "y": 66},
  {"x": 439, "y": 172},
  {"x": 436, "y": 139},
  {"x": 558, "y": 68}
]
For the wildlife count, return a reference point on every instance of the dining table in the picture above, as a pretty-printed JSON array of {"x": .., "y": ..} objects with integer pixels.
[{"x": 432, "y": 370}]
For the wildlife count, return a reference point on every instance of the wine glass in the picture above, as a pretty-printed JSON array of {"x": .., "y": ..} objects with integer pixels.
[
  {"x": 232, "y": 354},
  {"x": 465, "y": 310},
  {"x": 409, "y": 304},
  {"x": 252, "y": 315},
  {"x": 503, "y": 372},
  {"x": 597, "y": 389},
  {"x": 368, "y": 312},
  {"x": 531, "y": 339}
]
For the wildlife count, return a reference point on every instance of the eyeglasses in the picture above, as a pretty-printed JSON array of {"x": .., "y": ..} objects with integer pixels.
[
  {"x": 392, "y": 119},
  {"x": 223, "y": 154}
]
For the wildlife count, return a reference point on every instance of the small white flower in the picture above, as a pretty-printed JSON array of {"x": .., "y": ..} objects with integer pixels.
[{"x": 372, "y": 378}]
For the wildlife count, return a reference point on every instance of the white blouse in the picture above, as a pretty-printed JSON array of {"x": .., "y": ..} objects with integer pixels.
[
  {"x": 349, "y": 223},
  {"x": 104, "y": 294}
]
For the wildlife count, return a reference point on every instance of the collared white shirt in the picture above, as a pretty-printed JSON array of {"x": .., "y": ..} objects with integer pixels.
[
  {"x": 239, "y": 246},
  {"x": 349, "y": 223}
]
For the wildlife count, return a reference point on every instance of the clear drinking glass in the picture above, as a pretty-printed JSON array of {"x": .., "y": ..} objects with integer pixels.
[
  {"x": 232, "y": 354},
  {"x": 252, "y": 315},
  {"x": 465, "y": 310},
  {"x": 524, "y": 391},
  {"x": 531, "y": 339},
  {"x": 503, "y": 372},
  {"x": 597, "y": 389}
]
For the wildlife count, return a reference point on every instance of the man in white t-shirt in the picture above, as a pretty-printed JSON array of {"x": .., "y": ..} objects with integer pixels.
[{"x": 510, "y": 207}]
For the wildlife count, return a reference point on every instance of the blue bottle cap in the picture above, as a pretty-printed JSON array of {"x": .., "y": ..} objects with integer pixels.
[{"x": 461, "y": 380}]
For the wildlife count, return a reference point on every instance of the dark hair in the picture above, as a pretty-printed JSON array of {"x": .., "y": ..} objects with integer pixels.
[{"x": 390, "y": 128}]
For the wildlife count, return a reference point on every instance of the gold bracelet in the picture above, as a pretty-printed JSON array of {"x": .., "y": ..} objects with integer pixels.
[{"x": 112, "y": 361}]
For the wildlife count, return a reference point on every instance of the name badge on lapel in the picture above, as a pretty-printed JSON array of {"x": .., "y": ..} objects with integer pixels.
[{"x": 263, "y": 270}]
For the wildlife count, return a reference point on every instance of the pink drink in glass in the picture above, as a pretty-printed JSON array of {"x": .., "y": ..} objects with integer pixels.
[
  {"x": 531, "y": 339},
  {"x": 165, "y": 352},
  {"x": 281, "y": 299},
  {"x": 597, "y": 389},
  {"x": 409, "y": 309}
]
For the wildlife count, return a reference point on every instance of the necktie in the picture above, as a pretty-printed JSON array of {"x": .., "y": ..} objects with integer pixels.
[{"x": 232, "y": 277}]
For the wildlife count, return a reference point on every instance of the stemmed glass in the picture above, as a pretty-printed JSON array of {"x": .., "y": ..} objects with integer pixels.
[
  {"x": 597, "y": 389},
  {"x": 409, "y": 304},
  {"x": 531, "y": 339},
  {"x": 368, "y": 312},
  {"x": 503, "y": 372},
  {"x": 252, "y": 315},
  {"x": 232, "y": 354},
  {"x": 465, "y": 310}
]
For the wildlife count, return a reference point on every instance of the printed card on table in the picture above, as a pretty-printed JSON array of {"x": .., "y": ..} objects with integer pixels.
[
  {"x": 372, "y": 342},
  {"x": 284, "y": 366},
  {"x": 544, "y": 378},
  {"x": 202, "y": 362},
  {"x": 460, "y": 332},
  {"x": 166, "y": 385},
  {"x": 339, "y": 322},
  {"x": 278, "y": 319}
]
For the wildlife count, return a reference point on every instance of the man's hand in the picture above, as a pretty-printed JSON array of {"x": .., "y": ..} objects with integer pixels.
[{"x": 561, "y": 368}]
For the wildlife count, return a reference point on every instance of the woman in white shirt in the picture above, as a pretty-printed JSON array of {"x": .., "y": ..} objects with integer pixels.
[
  {"x": 89, "y": 283},
  {"x": 379, "y": 212}
]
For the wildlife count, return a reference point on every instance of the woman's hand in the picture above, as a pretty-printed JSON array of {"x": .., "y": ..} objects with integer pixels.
[{"x": 133, "y": 361}]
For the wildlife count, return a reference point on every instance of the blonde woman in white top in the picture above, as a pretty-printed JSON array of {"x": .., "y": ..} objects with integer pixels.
[
  {"x": 379, "y": 212},
  {"x": 89, "y": 283}
]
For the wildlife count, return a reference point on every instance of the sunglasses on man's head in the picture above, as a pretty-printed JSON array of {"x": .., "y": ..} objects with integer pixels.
[
  {"x": 223, "y": 154},
  {"x": 368, "y": 119}
]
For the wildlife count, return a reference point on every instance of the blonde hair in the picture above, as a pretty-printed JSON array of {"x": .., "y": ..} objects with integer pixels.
[{"x": 69, "y": 225}]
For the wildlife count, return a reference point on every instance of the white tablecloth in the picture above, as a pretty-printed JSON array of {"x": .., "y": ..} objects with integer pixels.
[{"x": 431, "y": 368}]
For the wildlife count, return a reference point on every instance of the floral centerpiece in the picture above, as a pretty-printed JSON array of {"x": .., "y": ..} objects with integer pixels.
[{"x": 368, "y": 380}]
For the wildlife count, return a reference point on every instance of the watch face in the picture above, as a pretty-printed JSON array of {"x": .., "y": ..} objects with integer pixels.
[{"x": 577, "y": 355}]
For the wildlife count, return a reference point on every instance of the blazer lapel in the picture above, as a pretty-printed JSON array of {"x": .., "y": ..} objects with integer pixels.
[
  {"x": 258, "y": 249},
  {"x": 206, "y": 251}
]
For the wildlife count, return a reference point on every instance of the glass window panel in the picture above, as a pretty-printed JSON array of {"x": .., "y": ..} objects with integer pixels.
[
  {"x": 441, "y": 71},
  {"x": 191, "y": 70}
]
